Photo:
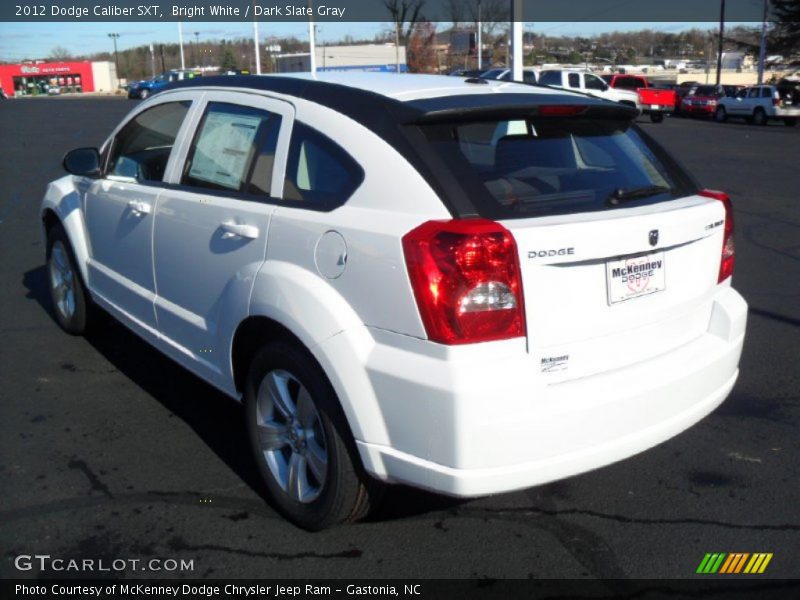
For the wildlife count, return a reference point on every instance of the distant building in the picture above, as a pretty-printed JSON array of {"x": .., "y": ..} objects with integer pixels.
[
  {"x": 364, "y": 57},
  {"x": 39, "y": 77},
  {"x": 733, "y": 60}
]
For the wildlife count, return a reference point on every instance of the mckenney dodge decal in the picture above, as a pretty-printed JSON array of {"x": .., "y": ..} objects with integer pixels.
[{"x": 629, "y": 278}]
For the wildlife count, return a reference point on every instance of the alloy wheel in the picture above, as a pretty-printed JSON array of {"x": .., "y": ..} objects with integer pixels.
[
  {"x": 62, "y": 280},
  {"x": 291, "y": 436}
]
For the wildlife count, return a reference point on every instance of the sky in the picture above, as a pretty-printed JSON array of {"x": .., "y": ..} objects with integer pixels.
[{"x": 19, "y": 41}]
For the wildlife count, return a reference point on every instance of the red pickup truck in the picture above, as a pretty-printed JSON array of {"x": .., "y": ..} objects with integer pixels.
[{"x": 655, "y": 101}]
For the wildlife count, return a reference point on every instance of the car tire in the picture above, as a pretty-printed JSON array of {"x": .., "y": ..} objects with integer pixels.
[
  {"x": 302, "y": 444},
  {"x": 721, "y": 115},
  {"x": 759, "y": 117},
  {"x": 144, "y": 94},
  {"x": 71, "y": 303},
  {"x": 790, "y": 122},
  {"x": 656, "y": 117}
]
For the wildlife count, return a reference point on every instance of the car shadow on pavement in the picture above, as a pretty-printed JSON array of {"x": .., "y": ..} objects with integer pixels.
[{"x": 214, "y": 417}]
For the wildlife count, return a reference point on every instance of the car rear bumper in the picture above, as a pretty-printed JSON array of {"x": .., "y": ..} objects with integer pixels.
[
  {"x": 699, "y": 110},
  {"x": 472, "y": 427},
  {"x": 657, "y": 108}
]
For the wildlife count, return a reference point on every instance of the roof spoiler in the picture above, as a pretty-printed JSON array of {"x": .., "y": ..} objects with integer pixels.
[{"x": 605, "y": 110}]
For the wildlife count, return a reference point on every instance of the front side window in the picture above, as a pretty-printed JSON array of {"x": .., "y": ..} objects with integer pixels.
[
  {"x": 594, "y": 83},
  {"x": 142, "y": 147},
  {"x": 545, "y": 166},
  {"x": 319, "y": 174},
  {"x": 234, "y": 149}
]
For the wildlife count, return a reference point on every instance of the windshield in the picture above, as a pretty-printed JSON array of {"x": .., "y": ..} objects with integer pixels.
[{"x": 557, "y": 165}]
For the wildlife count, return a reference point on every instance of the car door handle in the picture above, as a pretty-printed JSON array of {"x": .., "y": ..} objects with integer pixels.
[
  {"x": 241, "y": 230},
  {"x": 139, "y": 208}
]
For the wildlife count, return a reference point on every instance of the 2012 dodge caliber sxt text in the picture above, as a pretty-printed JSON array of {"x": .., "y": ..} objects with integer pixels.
[{"x": 469, "y": 287}]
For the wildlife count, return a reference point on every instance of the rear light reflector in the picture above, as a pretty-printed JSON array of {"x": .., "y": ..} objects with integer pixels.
[
  {"x": 466, "y": 279},
  {"x": 728, "y": 258}
]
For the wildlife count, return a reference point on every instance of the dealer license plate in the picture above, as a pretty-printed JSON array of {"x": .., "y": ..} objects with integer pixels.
[
  {"x": 633, "y": 277},
  {"x": 655, "y": 106}
]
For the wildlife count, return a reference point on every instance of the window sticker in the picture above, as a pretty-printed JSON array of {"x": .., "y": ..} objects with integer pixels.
[{"x": 223, "y": 148}]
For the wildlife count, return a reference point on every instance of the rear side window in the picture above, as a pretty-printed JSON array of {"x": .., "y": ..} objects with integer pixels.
[
  {"x": 142, "y": 147},
  {"x": 234, "y": 149},
  {"x": 574, "y": 80},
  {"x": 550, "y": 78},
  {"x": 545, "y": 166},
  {"x": 319, "y": 174},
  {"x": 627, "y": 83}
]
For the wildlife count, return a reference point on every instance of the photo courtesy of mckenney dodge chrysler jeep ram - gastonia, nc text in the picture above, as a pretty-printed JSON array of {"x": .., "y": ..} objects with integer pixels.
[{"x": 463, "y": 285}]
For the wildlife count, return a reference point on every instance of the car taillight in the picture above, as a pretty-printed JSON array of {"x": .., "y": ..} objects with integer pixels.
[
  {"x": 466, "y": 279},
  {"x": 728, "y": 258}
]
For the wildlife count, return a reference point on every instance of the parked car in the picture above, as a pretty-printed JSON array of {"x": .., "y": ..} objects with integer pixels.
[
  {"x": 761, "y": 103},
  {"x": 702, "y": 100},
  {"x": 529, "y": 74},
  {"x": 682, "y": 91},
  {"x": 411, "y": 278},
  {"x": 467, "y": 72},
  {"x": 588, "y": 83},
  {"x": 146, "y": 88},
  {"x": 655, "y": 102}
]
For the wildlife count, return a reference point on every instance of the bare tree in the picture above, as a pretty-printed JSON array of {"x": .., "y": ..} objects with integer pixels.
[
  {"x": 405, "y": 13},
  {"x": 457, "y": 11},
  {"x": 60, "y": 53},
  {"x": 490, "y": 12}
]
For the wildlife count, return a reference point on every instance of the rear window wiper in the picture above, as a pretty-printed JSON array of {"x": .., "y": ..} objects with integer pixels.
[{"x": 620, "y": 195}]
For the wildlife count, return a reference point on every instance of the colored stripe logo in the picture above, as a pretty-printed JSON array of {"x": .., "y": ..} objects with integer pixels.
[{"x": 734, "y": 563}]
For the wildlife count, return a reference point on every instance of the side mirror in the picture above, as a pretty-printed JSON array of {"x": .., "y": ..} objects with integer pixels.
[{"x": 82, "y": 161}]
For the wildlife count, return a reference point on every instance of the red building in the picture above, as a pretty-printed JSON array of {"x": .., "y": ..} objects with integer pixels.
[{"x": 37, "y": 78}]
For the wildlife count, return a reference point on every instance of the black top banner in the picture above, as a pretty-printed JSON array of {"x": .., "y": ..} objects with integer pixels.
[{"x": 379, "y": 11}]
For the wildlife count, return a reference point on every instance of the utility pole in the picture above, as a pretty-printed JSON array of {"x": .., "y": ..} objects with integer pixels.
[
  {"x": 479, "y": 36},
  {"x": 762, "y": 49},
  {"x": 194, "y": 48},
  {"x": 397, "y": 45},
  {"x": 517, "y": 53},
  {"x": 114, "y": 37},
  {"x": 152, "y": 60},
  {"x": 312, "y": 47},
  {"x": 256, "y": 46},
  {"x": 721, "y": 34},
  {"x": 180, "y": 43}
]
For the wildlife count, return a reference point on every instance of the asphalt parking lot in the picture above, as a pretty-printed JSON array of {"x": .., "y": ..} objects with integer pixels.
[{"x": 109, "y": 450}]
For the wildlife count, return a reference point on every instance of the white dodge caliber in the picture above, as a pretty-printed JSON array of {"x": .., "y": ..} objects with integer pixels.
[{"x": 466, "y": 286}]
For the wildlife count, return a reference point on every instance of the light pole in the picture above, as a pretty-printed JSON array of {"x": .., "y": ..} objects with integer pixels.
[
  {"x": 721, "y": 34},
  {"x": 114, "y": 37}
]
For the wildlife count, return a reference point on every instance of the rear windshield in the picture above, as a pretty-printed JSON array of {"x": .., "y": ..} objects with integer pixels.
[
  {"x": 707, "y": 90},
  {"x": 544, "y": 166}
]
